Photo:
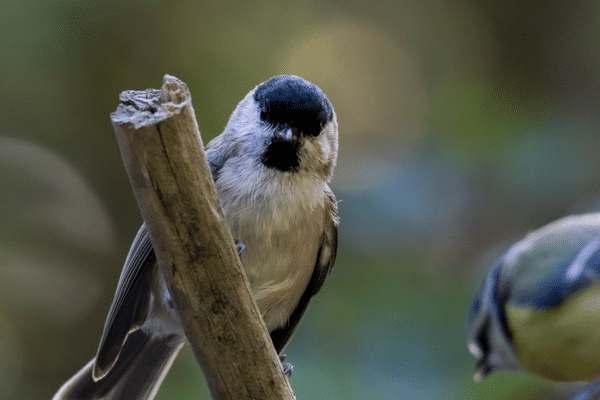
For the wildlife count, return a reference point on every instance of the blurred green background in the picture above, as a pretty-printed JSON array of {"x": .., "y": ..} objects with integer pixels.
[{"x": 463, "y": 125}]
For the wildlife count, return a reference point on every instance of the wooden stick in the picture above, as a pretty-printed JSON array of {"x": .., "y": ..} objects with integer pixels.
[{"x": 164, "y": 157}]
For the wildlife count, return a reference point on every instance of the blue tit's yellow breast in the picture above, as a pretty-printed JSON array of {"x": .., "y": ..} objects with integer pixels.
[{"x": 560, "y": 343}]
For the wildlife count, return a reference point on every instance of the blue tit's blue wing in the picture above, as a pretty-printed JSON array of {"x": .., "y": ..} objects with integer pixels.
[
  {"x": 590, "y": 392},
  {"x": 552, "y": 263},
  {"x": 130, "y": 305}
]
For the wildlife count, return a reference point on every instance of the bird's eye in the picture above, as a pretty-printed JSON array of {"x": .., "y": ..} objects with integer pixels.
[{"x": 314, "y": 130}]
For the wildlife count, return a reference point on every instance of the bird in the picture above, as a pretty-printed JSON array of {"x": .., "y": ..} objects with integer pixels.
[
  {"x": 538, "y": 308},
  {"x": 272, "y": 166}
]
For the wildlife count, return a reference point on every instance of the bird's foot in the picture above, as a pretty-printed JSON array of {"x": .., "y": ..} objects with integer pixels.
[
  {"x": 240, "y": 247},
  {"x": 287, "y": 367}
]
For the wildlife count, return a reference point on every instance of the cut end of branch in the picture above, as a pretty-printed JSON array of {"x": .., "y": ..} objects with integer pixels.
[{"x": 151, "y": 106}]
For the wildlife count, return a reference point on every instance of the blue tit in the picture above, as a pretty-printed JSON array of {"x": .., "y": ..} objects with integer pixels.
[
  {"x": 539, "y": 307},
  {"x": 271, "y": 166}
]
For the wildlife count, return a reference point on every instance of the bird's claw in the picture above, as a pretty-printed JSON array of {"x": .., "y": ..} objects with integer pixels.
[
  {"x": 240, "y": 247},
  {"x": 287, "y": 369}
]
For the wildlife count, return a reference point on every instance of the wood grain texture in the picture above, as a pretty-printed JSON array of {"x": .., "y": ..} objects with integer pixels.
[{"x": 164, "y": 157}]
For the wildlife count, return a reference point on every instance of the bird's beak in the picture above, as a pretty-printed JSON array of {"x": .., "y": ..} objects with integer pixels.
[
  {"x": 478, "y": 376},
  {"x": 482, "y": 369},
  {"x": 285, "y": 134}
]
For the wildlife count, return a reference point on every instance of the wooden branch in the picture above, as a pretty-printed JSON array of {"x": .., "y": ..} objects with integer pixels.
[{"x": 163, "y": 154}]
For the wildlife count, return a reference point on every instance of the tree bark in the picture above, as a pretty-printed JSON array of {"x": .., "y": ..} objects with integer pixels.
[{"x": 164, "y": 157}]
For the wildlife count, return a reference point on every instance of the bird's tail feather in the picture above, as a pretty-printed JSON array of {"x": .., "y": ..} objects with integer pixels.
[{"x": 137, "y": 374}]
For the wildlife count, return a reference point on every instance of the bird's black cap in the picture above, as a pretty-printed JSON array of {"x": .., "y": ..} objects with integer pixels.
[{"x": 291, "y": 100}]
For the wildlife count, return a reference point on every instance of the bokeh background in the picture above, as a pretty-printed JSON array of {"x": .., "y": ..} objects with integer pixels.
[{"x": 463, "y": 125}]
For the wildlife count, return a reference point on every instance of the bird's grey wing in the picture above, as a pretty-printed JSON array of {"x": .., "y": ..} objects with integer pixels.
[
  {"x": 218, "y": 151},
  {"x": 130, "y": 304},
  {"x": 324, "y": 264}
]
